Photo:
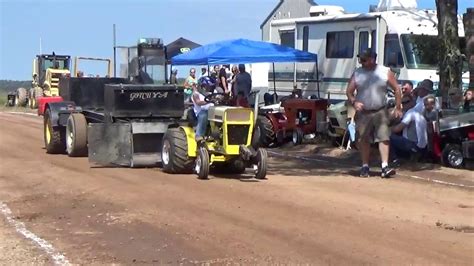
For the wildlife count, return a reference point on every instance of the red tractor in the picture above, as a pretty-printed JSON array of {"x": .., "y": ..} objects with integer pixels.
[
  {"x": 292, "y": 118},
  {"x": 453, "y": 140}
]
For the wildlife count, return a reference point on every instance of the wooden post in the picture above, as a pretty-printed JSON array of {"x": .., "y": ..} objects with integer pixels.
[
  {"x": 468, "y": 20},
  {"x": 450, "y": 60}
]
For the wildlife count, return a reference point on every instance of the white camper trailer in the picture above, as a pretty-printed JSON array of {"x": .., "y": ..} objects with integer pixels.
[{"x": 405, "y": 40}]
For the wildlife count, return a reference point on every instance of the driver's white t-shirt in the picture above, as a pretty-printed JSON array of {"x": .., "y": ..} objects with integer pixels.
[{"x": 197, "y": 108}]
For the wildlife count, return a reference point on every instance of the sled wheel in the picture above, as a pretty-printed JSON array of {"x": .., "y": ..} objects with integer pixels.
[{"x": 76, "y": 135}]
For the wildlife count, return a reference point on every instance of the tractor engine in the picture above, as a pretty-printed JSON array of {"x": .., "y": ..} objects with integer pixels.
[{"x": 232, "y": 126}]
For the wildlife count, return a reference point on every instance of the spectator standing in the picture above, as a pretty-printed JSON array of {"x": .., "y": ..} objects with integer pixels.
[
  {"x": 468, "y": 101},
  {"x": 203, "y": 72},
  {"x": 174, "y": 76},
  {"x": 243, "y": 82},
  {"x": 370, "y": 83},
  {"x": 235, "y": 71},
  {"x": 189, "y": 84},
  {"x": 223, "y": 79}
]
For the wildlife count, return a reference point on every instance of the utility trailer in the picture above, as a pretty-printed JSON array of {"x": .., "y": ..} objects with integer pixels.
[{"x": 112, "y": 121}]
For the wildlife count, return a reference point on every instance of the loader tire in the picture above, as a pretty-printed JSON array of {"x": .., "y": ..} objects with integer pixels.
[
  {"x": 30, "y": 98},
  {"x": 37, "y": 92},
  {"x": 265, "y": 132},
  {"x": 54, "y": 137},
  {"x": 76, "y": 135},
  {"x": 21, "y": 97},
  {"x": 174, "y": 153}
]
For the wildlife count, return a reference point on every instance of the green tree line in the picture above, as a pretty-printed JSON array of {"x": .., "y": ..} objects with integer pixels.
[{"x": 12, "y": 85}]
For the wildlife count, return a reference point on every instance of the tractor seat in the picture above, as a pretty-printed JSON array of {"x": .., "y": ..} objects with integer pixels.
[{"x": 191, "y": 117}]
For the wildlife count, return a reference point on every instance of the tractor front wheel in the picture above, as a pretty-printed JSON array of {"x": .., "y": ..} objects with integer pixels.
[
  {"x": 297, "y": 137},
  {"x": 261, "y": 164},
  {"x": 54, "y": 137},
  {"x": 76, "y": 135},
  {"x": 202, "y": 164}
]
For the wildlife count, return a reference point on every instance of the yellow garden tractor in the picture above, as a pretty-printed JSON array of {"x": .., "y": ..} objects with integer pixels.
[{"x": 226, "y": 146}]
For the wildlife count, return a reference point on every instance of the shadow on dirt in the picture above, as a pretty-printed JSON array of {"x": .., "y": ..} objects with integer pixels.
[{"x": 322, "y": 159}]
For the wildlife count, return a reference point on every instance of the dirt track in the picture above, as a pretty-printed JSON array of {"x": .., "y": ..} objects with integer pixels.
[{"x": 306, "y": 212}]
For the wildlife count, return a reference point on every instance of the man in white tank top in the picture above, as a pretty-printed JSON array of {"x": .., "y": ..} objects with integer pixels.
[
  {"x": 200, "y": 108},
  {"x": 367, "y": 91}
]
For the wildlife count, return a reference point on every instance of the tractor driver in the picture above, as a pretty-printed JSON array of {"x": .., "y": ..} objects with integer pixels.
[{"x": 200, "y": 108}]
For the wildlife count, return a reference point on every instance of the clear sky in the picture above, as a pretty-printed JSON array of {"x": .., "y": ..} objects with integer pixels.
[{"x": 84, "y": 28}]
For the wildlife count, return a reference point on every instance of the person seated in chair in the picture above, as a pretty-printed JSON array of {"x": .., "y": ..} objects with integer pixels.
[
  {"x": 413, "y": 139},
  {"x": 200, "y": 108}
]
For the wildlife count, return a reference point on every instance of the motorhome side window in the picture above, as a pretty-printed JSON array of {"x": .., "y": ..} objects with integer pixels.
[
  {"x": 392, "y": 53},
  {"x": 305, "y": 38},
  {"x": 364, "y": 40},
  {"x": 340, "y": 44},
  {"x": 287, "y": 38}
]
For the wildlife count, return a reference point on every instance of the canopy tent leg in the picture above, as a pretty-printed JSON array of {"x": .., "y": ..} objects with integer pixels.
[{"x": 274, "y": 85}]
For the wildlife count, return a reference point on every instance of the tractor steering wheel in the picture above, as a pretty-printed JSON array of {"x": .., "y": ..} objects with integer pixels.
[{"x": 217, "y": 98}]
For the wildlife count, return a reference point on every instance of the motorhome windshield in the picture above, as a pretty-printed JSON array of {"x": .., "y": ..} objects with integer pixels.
[{"x": 421, "y": 51}]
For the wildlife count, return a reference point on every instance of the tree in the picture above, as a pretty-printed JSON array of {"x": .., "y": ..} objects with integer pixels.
[
  {"x": 450, "y": 57},
  {"x": 468, "y": 20}
]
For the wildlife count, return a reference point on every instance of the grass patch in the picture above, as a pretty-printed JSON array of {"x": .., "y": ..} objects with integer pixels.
[{"x": 3, "y": 97}]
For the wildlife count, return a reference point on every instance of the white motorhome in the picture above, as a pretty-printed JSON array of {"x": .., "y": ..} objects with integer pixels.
[{"x": 404, "y": 37}]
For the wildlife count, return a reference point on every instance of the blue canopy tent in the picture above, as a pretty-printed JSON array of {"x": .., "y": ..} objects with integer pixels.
[{"x": 243, "y": 51}]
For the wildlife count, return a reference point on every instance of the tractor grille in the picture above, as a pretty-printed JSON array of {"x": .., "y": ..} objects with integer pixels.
[
  {"x": 237, "y": 134},
  {"x": 334, "y": 122},
  {"x": 55, "y": 80}
]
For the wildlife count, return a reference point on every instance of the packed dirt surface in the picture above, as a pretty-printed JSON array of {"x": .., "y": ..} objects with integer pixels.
[
  {"x": 17, "y": 251},
  {"x": 312, "y": 209}
]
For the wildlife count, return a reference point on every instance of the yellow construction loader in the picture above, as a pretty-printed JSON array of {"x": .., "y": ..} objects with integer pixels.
[{"x": 47, "y": 69}]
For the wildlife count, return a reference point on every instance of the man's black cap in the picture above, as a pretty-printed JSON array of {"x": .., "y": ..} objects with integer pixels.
[{"x": 366, "y": 53}]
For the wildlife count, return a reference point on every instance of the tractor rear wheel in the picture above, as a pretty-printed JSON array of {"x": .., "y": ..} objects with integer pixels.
[
  {"x": 265, "y": 131},
  {"x": 202, "y": 164},
  {"x": 76, "y": 135},
  {"x": 54, "y": 138},
  {"x": 174, "y": 152},
  {"x": 30, "y": 98},
  {"x": 261, "y": 162},
  {"x": 21, "y": 97}
]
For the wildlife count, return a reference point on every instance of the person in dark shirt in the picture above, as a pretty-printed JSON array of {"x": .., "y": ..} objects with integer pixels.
[
  {"x": 223, "y": 79},
  {"x": 243, "y": 82},
  {"x": 468, "y": 101}
]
